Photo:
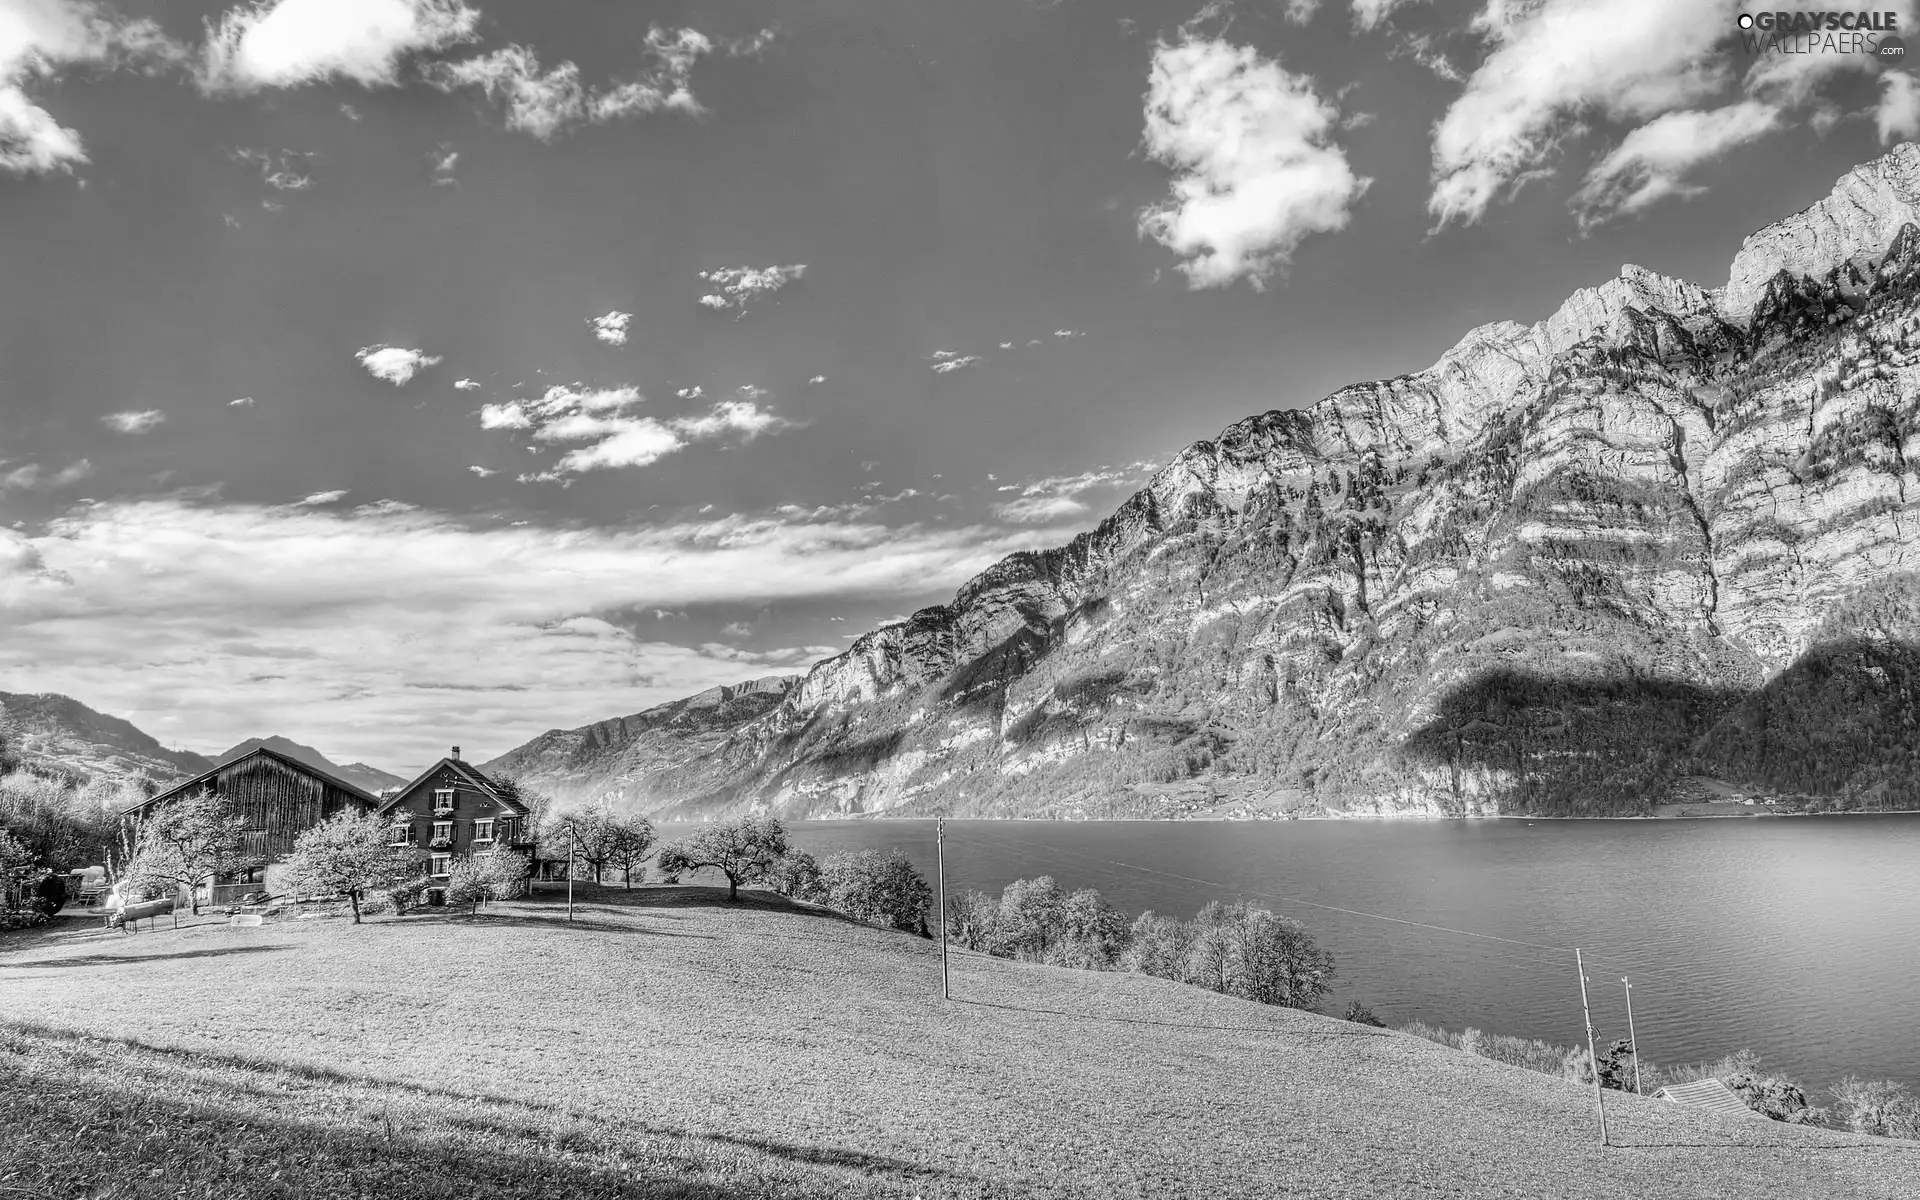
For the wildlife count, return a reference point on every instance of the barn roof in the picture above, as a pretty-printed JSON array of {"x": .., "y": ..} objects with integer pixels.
[
  {"x": 359, "y": 793},
  {"x": 1705, "y": 1093},
  {"x": 470, "y": 772}
]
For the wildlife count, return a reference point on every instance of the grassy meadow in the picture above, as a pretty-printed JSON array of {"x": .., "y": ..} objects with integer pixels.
[{"x": 667, "y": 1044}]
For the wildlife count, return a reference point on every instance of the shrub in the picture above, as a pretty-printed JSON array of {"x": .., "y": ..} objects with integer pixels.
[
  {"x": 797, "y": 876},
  {"x": 1360, "y": 1014},
  {"x": 1876, "y": 1106},
  {"x": 884, "y": 889}
]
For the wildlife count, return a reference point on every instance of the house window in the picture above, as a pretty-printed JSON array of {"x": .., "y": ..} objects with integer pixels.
[
  {"x": 441, "y": 863},
  {"x": 443, "y": 831},
  {"x": 403, "y": 834},
  {"x": 483, "y": 830},
  {"x": 443, "y": 800}
]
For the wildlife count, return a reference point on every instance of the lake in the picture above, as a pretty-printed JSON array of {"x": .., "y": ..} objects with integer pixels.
[{"x": 1791, "y": 936}]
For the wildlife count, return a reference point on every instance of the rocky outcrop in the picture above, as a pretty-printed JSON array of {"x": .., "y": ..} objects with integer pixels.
[{"x": 1538, "y": 575}]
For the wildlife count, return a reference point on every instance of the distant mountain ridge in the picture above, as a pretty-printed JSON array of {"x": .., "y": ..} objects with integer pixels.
[
  {"x": 373, "y": 779},
  {"x": 1668, "y": 530},
  {"x": 59, "y": 731}
]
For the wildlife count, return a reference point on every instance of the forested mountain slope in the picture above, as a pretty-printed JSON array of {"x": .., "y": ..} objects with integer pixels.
[{"x": 1666, "y": 531}]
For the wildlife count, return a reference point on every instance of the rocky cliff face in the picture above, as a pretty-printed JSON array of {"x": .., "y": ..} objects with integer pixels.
[{"x": 1665, "y": 532}]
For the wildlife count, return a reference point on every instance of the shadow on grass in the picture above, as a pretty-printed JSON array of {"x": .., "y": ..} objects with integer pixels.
[
  {"x": 555, "y": 921},
  {"x": 377, "y": 1138},
  {"x": 1357, "y": 1032},
  {"x": 107, "y": 960},
  {"x": 1888, "y": 1145},
  {"x": 142, "y": 1144}
]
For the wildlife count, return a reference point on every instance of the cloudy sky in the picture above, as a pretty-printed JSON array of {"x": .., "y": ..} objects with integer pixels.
[{"x": 395, "y": 373}]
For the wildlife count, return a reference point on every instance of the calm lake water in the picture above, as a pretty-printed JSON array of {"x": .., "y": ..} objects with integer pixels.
[{"x": 1792, "y": 936}]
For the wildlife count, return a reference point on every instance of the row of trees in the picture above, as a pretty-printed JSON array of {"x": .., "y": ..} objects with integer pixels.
[{"x": 1238, "y": 949}]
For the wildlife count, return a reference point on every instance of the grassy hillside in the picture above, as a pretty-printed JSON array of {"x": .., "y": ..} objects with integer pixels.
[{"x": 667, "y": 1044}]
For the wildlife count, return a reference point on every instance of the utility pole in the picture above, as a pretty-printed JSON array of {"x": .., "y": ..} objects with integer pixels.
[
  {"x": 569, "y": 880},
  {"x": 1587, "y": 1014},
  {"x": 1632, "y": 1037},
  {"x": 940, "y": 853}
]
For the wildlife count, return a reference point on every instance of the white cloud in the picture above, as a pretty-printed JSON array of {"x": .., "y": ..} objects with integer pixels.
[
  {"x": 466, "y": 385},
  {"x": 817, "y": 379},
  {"x": 504, "y": 416},
  {"x": 742, "y": 286},
  {"x": 134, "y": 421},
  {"x": 384, "y": 508},
  {"x": 482, "y": 472},
  {"x": 1897, "y": 116},
  {"x": 242, "y": 402},
  {"x": 395, "y": 364},
  {"x": 289, "y": 43},
  {"x": 378, "y": 634},
  {"x": 1368, "y": 14},
  {"x": 691, "y": 393},
  {"x": 1555, "y": 65},
  {"x": 742, "y": 417},
  {"x": 1651, "y": 163},
  {"x": 949, "y": 362},
  {"x": 544, "y": 103},
  {"x": 317, "y": 499},
  {"x": 32, "y": 477},
  {"x": 573, "y": 413},
  {"x": 444, "y": 159},
  {"x": 1035, "y": 510},
  {"x": 752, "y": 391},
  {"x": 1256, "y": 166},
  {"x": 612, "y": 327},
  {"x": 1058, "y": 497},
  {"x": 39, "y": 39},
  {"x": 1063, "y": 334},
  {"x": 1006, "y": 345}
]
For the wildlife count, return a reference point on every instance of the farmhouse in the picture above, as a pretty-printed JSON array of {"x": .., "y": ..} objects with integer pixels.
[
  {"x": 452, "y": 809},
  {"x": 280, "y": 797}
]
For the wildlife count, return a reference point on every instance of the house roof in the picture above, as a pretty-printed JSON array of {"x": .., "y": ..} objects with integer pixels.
[
  {"x": 358, "y": 793},
  {"x": 1704, "y": 1093},
  {"x": 466, "y": 770}
]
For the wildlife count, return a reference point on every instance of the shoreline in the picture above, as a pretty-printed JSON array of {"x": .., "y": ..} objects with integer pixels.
[{"x": 877, "y": 818}]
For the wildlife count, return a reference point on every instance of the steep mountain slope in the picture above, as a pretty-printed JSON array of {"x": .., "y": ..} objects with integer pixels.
[
  {"x": 1666, "y": 530},
  {"x": 59, "y": 731},
  {"x": 370, "y": 778}
]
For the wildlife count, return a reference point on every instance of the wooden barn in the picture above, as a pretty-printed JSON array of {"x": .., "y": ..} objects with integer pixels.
[
  {"x": 452, "y": 809},
  {"x": 280, "y": 797}
]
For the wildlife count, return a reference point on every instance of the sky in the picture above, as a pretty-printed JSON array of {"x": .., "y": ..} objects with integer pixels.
[{"x": 390, "y": 374}]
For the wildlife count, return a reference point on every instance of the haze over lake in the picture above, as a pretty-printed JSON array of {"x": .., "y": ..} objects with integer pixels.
[{"x": 1788, "y": 936}]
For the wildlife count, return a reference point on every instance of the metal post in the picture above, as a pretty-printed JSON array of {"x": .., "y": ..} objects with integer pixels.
[
  {"x": 1586, "y": 1013},
  {"x": 569, "y": 881},
  {"x": 1632, "y": 1037},
  {"x": 940, "y": 851}
]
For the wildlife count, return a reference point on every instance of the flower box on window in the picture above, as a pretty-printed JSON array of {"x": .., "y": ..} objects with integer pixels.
[{"x": 440, "y": 843}]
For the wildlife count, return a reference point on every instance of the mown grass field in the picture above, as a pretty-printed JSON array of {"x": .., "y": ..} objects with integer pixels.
[{"x": 670, "y": 1045}]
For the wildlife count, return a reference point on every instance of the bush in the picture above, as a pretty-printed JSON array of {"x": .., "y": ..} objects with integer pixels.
[
  {"x": 24, "y": 918},
  {"x": 884, "y": 889},
  {"x": 1878, "y": 1106},
  {"x": 797, "y": 876},
  {"x": 1360, "y": 1014}
]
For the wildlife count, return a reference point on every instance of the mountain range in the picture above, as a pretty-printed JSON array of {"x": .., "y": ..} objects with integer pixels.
[
  {"x": 1664, "y": 534},
  {"x": 59, "y": 732}
]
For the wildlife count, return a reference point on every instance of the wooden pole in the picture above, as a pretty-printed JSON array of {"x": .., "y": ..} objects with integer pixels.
[
  {"x": 569, "y": 881},
  {"x": 940, "y": 852},
  {"x": 1632, "y": 1037},
  {"x": 1599, "y": 1102}
]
